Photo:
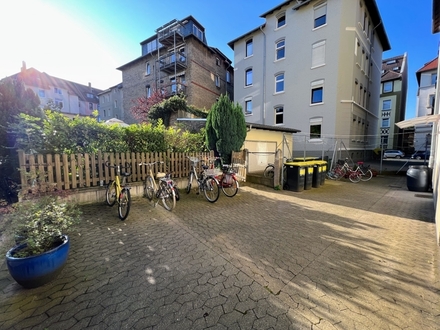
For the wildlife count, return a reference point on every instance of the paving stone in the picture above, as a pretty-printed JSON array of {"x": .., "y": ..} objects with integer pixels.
[{"x": 334, "y": 257}]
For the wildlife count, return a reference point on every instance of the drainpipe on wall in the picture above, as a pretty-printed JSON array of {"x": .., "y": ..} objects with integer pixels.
[{"x": 263, "y": 113}]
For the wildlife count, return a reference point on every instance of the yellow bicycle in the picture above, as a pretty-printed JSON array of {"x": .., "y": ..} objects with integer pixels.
[{"x": 116, "y": 191}]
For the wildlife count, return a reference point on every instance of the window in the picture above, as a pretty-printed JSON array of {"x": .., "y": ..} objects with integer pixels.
[
  {"x": 59, "y": 103},
  {"x": 217, "y": 81},
  {"x": 280, "y": 49},
  {"x": 148, "y": 69},
  {"x": 228, "y": 77},
  {"x": 317, "y": 91},
  {"x": 173, "y": 85},
  {"x": 105, "y": 115},
  {"x": 431, "y": 101},
  {"x": 197, "y": 32},
  {"x": 249, "y": 48},
  {"x": 217, "y": 61},
  {"x": 248, "y": 107},
  {"x": 279, "y": 110},
  {"x": 386, "y": 105},
  {"x": 387, "y": 86},
  {"x": 279, "y": 83},
  {"x": 386, "y": 122},
  {"x": 281, "y": 21},
  {"x": 248, "y": 77},
  {"x": 315, "y": 127},
  {"x": 90, "y": 106},
  {"x": 318, "y": 53},
  {"x": 115, "y": 104},
  {"x": 434, "y": 79},
  {"x": 148, "y": 91},
  {"x": 42, "y": 93},
  {"x": 57, "y": 90},
  {"x": 320, "y": 15}
]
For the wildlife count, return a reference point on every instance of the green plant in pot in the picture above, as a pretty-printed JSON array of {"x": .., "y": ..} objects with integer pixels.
[{"x": 39, "y": 228}]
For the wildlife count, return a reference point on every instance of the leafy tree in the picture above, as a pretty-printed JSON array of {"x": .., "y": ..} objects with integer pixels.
[
  {"x": 142, "y": 105},
  {"x": 14, "y": 99},
  {"x": 225, "y": 128}
]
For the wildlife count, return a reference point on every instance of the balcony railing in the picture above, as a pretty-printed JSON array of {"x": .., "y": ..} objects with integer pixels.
[{"x": 172, "y": 62}]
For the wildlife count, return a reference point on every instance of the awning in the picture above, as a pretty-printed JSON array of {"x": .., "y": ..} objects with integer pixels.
[{"x": 418, "y": 121}]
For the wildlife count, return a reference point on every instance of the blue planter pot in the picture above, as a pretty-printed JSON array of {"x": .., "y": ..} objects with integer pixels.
[{"x": 34, "y": 271}]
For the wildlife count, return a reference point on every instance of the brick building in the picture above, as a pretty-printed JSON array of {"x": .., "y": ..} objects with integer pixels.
[{"x": 177, "y": 60}]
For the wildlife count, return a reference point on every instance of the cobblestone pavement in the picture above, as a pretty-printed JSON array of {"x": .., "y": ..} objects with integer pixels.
[{"x": 342, "y": 256}]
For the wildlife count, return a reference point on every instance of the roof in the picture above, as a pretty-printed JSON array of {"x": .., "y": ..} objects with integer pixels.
[
  {"x": 429, "y": 66},
  {"x": 435, "y": 16},
  {"x": 34, "y": 78},
  {"x": 393, "y": 68},
  {"x": 370, "y": 4}
]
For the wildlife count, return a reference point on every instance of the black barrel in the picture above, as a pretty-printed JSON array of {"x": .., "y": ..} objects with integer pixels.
[{"x": 417, "y": 178}]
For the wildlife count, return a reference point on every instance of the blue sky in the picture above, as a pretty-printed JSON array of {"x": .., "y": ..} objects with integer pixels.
[{"x": 86, "y": 40}]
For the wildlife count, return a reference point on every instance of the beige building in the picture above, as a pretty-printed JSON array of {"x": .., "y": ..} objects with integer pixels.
[
  {"x": 315, "y": 66},
  {"x": 394, "y": 87},
  {"x": 177, "y": 60}
]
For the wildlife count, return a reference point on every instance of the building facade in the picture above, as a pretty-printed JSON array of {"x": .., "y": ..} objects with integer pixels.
[
  {"x": 427, "y": 81},
  {"x": 72, "y": 98},
  {"x": 177, "y": 60},
  {"x": 315, "y": 66},
  {"x": 394, "y": 87},
  {"x": 110, "y": 103}
]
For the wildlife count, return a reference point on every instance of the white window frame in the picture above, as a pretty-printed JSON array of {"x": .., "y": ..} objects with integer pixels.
[
  {"x": 281, "y": 23},
  {"x": 319, "y": 12},
  {"x": 317, "y": 85},
  {"x": 315, "y": 121},
  {"x": 386, "y": 102},
  {"x": 385, "y": 89},
  {"x": 385, "y": 122},
  {"x": 217, "y": 81},
  {"x": 249, "y": 47},
  {"x": 247, "y": 103},
  {"x": 147, "y": 69},
  {"x": 246, "y": 82},
  {"x": 278, "y": 114},
  {"x": 279, "y": 82},
  {"x": 318, "y": 54},
  {"x": 280, "y": 45}
]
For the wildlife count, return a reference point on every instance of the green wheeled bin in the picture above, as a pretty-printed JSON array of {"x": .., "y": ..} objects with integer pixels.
[{"x": 295, "y": 172}]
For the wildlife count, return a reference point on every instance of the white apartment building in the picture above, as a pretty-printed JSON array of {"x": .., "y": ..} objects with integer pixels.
[
  {"x": 427, "y": 80},
  {"x": 315, "y": 66},
  {"x": 110, "y": 103}
]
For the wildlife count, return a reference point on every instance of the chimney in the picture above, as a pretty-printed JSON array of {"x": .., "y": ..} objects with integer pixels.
[
  {"x": 23, "y": 66},
  {"x": 90, "y": 87}
]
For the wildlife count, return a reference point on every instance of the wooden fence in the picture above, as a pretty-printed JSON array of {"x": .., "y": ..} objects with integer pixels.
[{"x": 47, "y": 172}]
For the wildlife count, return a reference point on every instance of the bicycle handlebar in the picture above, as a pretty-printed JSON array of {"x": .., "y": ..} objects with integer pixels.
[{"x": 107, "y": 163}]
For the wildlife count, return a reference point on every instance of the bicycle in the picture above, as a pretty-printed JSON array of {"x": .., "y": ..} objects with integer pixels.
[
  {"x": 206, "y": 182},
  {"x": 365, "y": 172},
  {"x": 342, "y": 169},
  {"x": 120, "y": 192},
  {"x": 9, "y": 190},
  {"x": 227, "y": 179},
  {"x": 269, "y": 171},
  {"x": 164, "y": 191}
]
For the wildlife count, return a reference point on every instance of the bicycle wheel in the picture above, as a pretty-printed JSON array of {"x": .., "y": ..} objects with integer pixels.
[
  {"x": 124, "y": 203},
  {"x": 177, "y": 193},
  {"x": 229, "y": 185},
  {"x": 367, "y": 175},
  {"x": 167, "y": 196},
  {"x": 269, "y": 172},
  {"x": 211, "y": 189},
  {"x": 149, "y": 187},
  {"x": 110, "y": 193},
  {"x": 188, "y": 186},
  {"x": 354, "y": 177}
]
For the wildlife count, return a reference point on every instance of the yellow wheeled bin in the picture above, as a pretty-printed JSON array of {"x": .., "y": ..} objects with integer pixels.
[
  {"x": 295, "y": 172},
  {"x": 308, "y": 175}
]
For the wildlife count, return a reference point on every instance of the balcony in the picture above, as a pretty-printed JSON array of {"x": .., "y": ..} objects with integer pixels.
[
  {"x": 172, "y": 63},
  {"x": 170, "y": 34}
]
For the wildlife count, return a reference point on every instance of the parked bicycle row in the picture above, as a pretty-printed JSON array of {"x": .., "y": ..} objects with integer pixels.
[
  {"x": 360, "y": 172},
  {"x": 209, "y": 179}
]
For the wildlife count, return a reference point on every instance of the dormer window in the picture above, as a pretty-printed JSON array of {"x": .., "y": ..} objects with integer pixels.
[{"x": 197, "y": 32}]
